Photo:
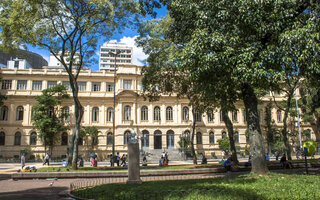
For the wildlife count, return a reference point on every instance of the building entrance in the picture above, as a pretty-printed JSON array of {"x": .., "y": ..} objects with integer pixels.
[{"x": 157, "y": 140}]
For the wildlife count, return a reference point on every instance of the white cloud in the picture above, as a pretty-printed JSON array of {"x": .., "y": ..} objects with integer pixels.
[{"x": 137, "y": 55}]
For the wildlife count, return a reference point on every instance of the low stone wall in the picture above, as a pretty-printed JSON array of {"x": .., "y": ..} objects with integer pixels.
[{"x": 113, "y": 174}]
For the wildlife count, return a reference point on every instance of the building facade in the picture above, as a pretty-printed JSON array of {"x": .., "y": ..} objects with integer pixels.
[
  {"x": 108, "y": 57},
  {"x": 159, "y": 125}
]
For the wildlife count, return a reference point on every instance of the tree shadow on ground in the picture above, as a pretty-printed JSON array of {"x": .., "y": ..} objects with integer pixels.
[{"x": 48, "y": 193}]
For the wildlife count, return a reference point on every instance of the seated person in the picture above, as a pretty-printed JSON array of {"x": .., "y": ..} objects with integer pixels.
[
  {"x": 94, "y": 162},
  {"x": 81, "y": 162},
  {"x": 267, "y": 157},
  {"x": 144, "y": 161},
  {"x": 204, "y": 159},
  {"x": 161, "y": 161},
  {"x": 284, "y": 163},
  {"x": 227, "y": 164}
]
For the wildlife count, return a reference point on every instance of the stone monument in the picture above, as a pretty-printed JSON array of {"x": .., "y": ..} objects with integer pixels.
[{"x": 133, "y": 160}]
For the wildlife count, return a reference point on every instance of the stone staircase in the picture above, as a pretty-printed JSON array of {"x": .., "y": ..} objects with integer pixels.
[{"x": 154, "y": 155}]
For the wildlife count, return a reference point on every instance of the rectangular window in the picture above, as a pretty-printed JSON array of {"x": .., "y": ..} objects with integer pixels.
[
  {"x": 96, "y": 87},
  {"x": 127, "y": 84},
  {"x": 82, "y": 86},
  {"x": 36, "y": 85},
  {"x": 6, "y": 84},
  {"x": 22, "y": 85},
  {"x": 16, "y": 64},
  {"x": 110, "y": 87},
  {"x": 67, "y": 84},
  {"x": 51, "y": 84}
]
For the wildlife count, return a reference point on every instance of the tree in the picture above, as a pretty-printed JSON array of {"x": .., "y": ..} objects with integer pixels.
[
  {"x": 235, "y": 44},
  {"x": 224, "y": 144},
  {"x": 47, "y": 115},
  {"x": 90, "y": 132},
  {"x": 310, "y": 105},
  {"x": 70, "y": 30}
]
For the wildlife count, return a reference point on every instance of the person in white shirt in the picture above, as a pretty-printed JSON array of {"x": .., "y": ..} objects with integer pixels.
[
  {"x": 46, "y": 159},
  {"x": 23, "y": 161}
]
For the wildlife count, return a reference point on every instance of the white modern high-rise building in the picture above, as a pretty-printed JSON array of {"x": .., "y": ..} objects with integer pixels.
[{"x": 107, "y": 60}]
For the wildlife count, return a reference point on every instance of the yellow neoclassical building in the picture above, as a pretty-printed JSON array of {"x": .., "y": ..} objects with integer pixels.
[{"x": 159, "y": 125}]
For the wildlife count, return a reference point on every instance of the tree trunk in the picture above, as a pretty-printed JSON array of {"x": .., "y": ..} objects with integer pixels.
[
  {"x": 70, "y": 149},
  {"x": 194, "y": 156},
  {"x": 285, "y": 127},
  {"x": 268, "y": 120},
  {"x": 79, "y": 113},
  {"x": 229, "y": 126},
  {"x": 258, "y": 160},
  {"x": 50, "y": 151},
  {"x": 316, "y": 126}
]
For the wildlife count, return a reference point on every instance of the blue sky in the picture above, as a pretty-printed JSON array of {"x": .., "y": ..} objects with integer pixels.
[{"x": 127, "y": 36}]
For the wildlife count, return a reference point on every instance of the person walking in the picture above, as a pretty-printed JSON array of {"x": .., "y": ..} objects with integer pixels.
[
  {"x": 123, "y": 160},
  {"x": 46, "y": 159},
  {"x": 118, "y": 159},
  {"x": 23, "y": 161}
]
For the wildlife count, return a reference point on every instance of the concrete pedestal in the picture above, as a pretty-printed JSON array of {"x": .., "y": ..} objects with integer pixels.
[{"x": 133, "y": 164}]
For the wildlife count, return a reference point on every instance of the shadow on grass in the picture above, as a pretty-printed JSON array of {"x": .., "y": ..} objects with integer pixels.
[{"x": 217, "y": 188}]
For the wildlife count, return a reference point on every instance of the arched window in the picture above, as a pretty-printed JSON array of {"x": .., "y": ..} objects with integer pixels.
[
  {"x": 197, "y": 116},
  {"x": 64, "y": 138},
  {"x": 279, "y": 116},
  {"x": 210, "y": 114},
  {"x": 126, "y": 137},
  {"x": 235, "y": 116},
  {"x": 236, "y": 137},
  {"x": 33, "y": 138},
  {"x": 109, "y": 139},
  {"x": 4, "y": 113},
  {"x": 2, "y": 138},
  {"x": 65, "y": 113},
  {"x": 199, "y": 138},
  {"x": 186, "y": 134},
  {"x": 145, "y": 139},
  {"x": 127, "y": 113},
  {"x": 144, "y": 113},
  {"x": 185, "y": 113},
  {"x": 211, "y": 137},
  {"x": 95, "y": 140},
  {"x": 17, "y": 138},
  {"x": 95, "y": 114},
  {"x": 19, "y": 115},
  {"x": 224, "y": 134},
  {"x": 157, "y": 113},
  {"x": 110, "y": 114},
  {"x": 170, "y": 139},
  {"x": 51, "y": 112},
  {"x": 169, "y": 114}
]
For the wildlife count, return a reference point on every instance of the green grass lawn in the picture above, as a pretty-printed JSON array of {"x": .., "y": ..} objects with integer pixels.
[{"x": 271, "y": 186}]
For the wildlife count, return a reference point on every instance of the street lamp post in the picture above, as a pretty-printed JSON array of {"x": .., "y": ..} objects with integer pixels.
[{"x": 114, "y": 103}]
